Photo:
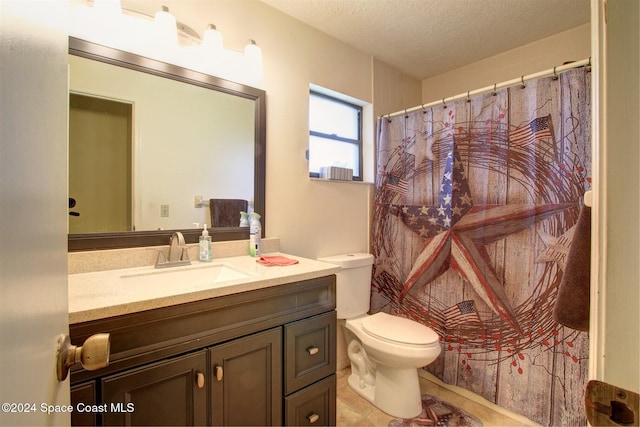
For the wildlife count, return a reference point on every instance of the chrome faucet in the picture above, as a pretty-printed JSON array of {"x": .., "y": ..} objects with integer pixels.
[{"x": 178, "y": 253}]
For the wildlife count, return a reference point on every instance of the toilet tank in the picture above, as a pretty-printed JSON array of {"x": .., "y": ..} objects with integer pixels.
[{"x": 353, "y": 283}]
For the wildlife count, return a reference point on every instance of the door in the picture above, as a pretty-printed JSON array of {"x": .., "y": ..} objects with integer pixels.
[
  {"x": 100, "y": 150},
  {"x": 246, "y": 381},
  {"x": 168, "y": 393},
  {"x": 33, "y": 211}
]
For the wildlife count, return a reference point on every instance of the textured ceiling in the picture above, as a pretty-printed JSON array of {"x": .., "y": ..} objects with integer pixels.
[{"x": 425, "y": 38}]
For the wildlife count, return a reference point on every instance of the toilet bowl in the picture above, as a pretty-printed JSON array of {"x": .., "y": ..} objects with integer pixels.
[{"x": 385, "y": 351}]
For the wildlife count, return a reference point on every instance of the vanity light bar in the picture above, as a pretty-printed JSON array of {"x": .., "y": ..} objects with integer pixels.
[{"x": 109, "y": 24}]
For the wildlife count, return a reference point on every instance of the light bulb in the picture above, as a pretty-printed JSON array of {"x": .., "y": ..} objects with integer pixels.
[
  {"x": 212, "y": 38},
  {"x": 166, "y": 29},
  {"x": 253, "y": 55}
]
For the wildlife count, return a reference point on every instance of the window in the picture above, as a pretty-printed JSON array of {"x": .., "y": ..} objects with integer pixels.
[{"x": 335, "y": 134}]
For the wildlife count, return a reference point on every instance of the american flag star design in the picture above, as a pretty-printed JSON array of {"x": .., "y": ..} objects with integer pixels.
[
  {"x": 528, "y": 134},
  {"x": 456, "y": 233},
  {"x": 397, "y": 184},
  {"x": 464, "y": 311}
]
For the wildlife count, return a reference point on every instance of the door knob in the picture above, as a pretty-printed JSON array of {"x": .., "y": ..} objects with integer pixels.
[{"x": 92, "y": 354}]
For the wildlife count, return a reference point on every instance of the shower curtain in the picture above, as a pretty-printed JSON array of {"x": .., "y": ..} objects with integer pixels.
[{"x": 475, "y": 206}]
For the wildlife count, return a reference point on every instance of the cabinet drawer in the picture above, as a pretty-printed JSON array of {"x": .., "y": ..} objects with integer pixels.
[
  {"x": 310, "y": 351},
  {"x": 313, "y": 406}
]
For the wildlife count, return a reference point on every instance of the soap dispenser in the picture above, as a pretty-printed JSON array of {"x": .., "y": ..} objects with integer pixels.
[{"x": 204, "y": 249}]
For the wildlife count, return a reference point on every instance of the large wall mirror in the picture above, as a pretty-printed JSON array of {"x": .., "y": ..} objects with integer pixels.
[{"x": 147, "y": 139}]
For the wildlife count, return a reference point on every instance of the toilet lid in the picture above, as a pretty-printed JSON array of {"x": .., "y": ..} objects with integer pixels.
[{"x": 398, "y": 329}]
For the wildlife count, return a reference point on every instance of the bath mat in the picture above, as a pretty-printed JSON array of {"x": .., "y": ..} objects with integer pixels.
[{"x": 436, "y": 412}]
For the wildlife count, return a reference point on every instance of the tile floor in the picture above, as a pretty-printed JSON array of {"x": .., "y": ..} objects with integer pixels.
[{"x": 354, "y": 410}]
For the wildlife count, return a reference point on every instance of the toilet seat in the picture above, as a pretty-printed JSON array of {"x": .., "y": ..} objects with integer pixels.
[{"x": 398, "y": 330}]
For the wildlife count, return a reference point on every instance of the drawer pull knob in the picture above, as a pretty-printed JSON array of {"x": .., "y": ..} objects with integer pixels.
[
  {"x": 218, "y": 372},
  {"x": 313, "y": 418},
  {"x": 200, "y": 379},
  {"x": 313, "y": 350}
]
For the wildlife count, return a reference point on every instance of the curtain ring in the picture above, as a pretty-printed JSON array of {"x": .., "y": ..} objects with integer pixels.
[
  {"x": 555, "y": 74},
  {"x": 495, "y": 93},
  {"x": 406, "y": 116},
  {"x": 424, "y": 110},
  {"x": 468, "y": 96},
  {"x": 389, "y": 117},
  {"x": 444, "y": 105},
  {"x": 522, "y": 80}
]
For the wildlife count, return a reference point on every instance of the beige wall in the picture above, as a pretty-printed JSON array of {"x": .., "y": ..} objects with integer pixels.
[{"x": 571, "y": 45}]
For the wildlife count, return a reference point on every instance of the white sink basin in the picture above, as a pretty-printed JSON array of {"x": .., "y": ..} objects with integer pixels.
[{"x": 191, "y": 275}]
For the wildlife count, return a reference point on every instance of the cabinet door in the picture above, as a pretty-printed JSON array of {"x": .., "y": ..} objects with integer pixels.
[
  {"x": 246, "y": 381},
  {"x": 83, "y": 399},
  {"x": 171, "y": 392}
]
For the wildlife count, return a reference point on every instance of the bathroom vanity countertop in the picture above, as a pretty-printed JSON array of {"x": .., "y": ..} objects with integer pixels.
[{"x": 103, "y": 294}]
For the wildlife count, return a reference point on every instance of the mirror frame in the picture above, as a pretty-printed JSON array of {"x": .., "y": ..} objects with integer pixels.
[{"x": 128, "y": 239}]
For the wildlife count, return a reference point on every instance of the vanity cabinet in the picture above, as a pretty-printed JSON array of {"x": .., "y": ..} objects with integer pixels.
[{"x": 263, "y": 357}]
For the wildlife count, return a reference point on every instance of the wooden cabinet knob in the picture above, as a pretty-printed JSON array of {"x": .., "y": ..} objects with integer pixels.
[
  {"x": 200, "y": 379},
  {"x": 313, "y": 418},
  {"x": 313, "y": 350},
  {"x": 218, "y": 372}
]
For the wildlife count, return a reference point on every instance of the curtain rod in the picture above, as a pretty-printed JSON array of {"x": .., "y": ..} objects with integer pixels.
[{"x": 521, "y": 80}]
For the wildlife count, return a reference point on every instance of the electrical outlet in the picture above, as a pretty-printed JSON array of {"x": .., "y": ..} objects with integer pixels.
[{"x": 164, "y": 211}]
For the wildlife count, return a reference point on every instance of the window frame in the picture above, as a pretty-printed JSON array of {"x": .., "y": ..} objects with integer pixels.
[{"x": 357, "y": 142}]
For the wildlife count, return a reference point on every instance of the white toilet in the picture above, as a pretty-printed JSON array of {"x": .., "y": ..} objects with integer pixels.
[{"x": 385, "y": 351}]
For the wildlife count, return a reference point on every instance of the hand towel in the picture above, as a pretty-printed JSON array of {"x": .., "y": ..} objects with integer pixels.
[
  {"x": 572, "y": 303},
  {"x": 226, "y": 212},
  {"x": 275, "y": 260}
]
